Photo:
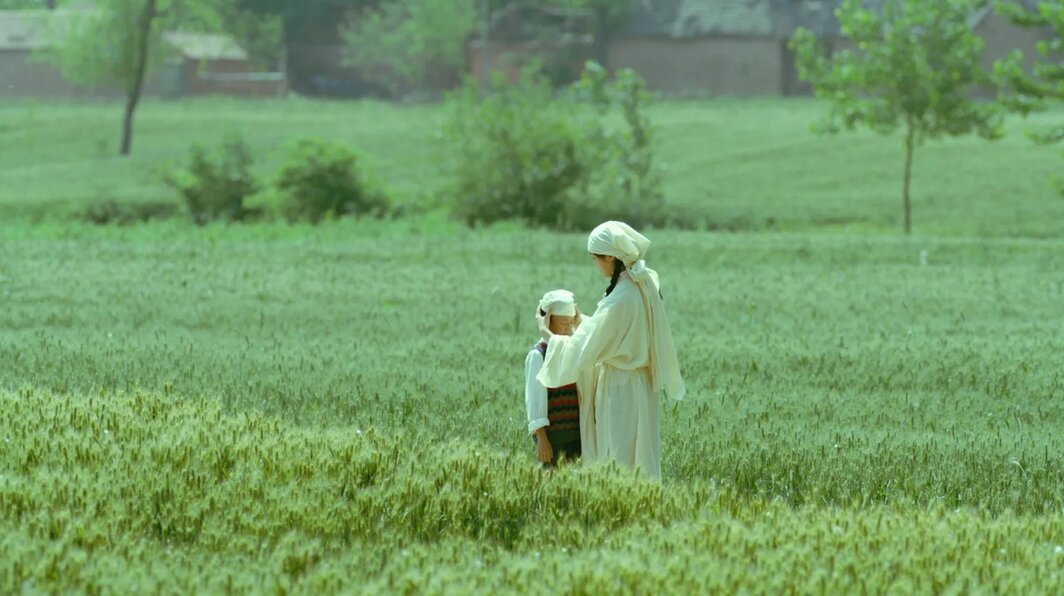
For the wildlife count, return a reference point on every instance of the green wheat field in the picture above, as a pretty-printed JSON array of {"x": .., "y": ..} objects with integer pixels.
[{"x": 274, "y": 408}]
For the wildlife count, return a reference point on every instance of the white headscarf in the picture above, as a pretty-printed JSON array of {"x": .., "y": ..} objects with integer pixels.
[
  {"x": 558, "y": 302},
  {"x": 620, "y": 240}
]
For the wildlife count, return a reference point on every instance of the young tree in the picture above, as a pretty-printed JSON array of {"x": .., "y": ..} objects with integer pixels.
[
  {"x": 410, "y": 38},
  {"x": 258, "y": 33},
  {"x": 118, "y": 43},
  {"x": 1028, "y": 91},
  {"x": 608, "y": 15},
  {"x": 913, "y": 66}
]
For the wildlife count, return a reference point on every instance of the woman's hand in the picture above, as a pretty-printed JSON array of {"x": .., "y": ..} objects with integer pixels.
[
  {"x": 541, "y": 324},
  {"x": 544, "y": 450}
]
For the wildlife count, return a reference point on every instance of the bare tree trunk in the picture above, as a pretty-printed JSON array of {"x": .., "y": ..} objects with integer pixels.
[
  {"x": 282, "y": 60},
  {"x": 140, "y": 66},
  {"x": 910, "y": 138},
  {"x": 601, "y": 37},
  {"x": 485, "y": 60}
]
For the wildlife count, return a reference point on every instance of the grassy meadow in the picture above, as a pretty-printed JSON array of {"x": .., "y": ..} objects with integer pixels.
[
  {"x": 250, "y": 407},
  {"x": 731, "y": 164},
  {"x": 338, "y": 408}
]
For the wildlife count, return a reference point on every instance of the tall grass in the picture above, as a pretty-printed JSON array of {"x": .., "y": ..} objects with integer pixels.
[{"x": 109, "y": 493}]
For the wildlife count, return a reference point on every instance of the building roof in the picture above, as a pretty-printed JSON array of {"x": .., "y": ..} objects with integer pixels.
[
  {"x": 774, "y": 18},
  {"x": 694, "y": 18},
  {"x": 205, "y": 46},
  {"x": 30, "y": 29},
  {"x": 27, "y": 30},
  {"x": 528, "y": 21}
]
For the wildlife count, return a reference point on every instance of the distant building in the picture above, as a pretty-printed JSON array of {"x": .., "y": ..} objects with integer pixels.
[
  {"x": 204, "y": 64},
  {"x": 1002, "y": 37},
  {"x": 22, "y": 32},
  {"x": 721, "y": 47},
  {"x": 315, "y": 49},
  {"x": 563, "y": 39},
  {"x": 197, "y": 64}
]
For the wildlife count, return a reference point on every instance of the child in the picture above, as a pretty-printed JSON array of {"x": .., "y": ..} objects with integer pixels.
[
  {"x": 627, "y": 345},
  {"x": 553, "y": 412}
]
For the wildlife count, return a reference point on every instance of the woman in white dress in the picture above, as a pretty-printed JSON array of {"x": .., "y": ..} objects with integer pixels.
[{"x": 622, "y": 358}]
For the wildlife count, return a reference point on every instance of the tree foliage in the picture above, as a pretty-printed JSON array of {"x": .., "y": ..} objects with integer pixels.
[
  {"x": 1031, "y": 90},
  {"x": 560, "y": 160},
  {"x": 913, "y": 67},
  {"x": 402, "y": 43},
  {"x": 119, "y": 43}
]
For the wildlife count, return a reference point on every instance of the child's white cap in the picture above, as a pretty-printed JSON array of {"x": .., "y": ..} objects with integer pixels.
[{"x": 558, "y": 302}]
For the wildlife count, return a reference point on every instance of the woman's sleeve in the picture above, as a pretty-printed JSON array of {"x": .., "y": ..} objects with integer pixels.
[{"x": 568, "y": 355}]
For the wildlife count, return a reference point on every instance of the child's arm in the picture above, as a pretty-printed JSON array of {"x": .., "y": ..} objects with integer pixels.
[
  {"x": 536, "y": 407},
  {"x": 535, "y": 393},
  {"x": 544, "y": 450}
]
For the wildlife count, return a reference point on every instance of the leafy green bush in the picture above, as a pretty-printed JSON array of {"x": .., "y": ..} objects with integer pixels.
[
  {"x": 517, "y": 153},
  {"x": 214, "y": 186},
  {"x": 321, "y": 180},
  {"x": 408, "y": 46},
  {"x": 523, "y": 152},
  {"x": 630, "y": 179}
]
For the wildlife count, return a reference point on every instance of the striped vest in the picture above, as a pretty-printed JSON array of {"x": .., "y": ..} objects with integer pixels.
[{"x": 563, "y": 410}]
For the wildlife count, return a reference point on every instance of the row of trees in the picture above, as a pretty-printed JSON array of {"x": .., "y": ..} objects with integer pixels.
[
  {"x": 914, "y": 65},
  {"x": 403, "y": 40},
  {"x": 412, "y": 39}
]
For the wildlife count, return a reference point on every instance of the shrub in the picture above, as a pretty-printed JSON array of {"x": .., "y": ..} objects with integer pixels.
[
  {"x": 114, "y": 212},
  {"x": 214, "y": 186},
  {"x": 517, "y": 153},
  {"x": 630, "y": 179},
  {"x": 321, "y": 179},
  {"x": 522, "y": 152},
  {"x": 409, "y": 46}
]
